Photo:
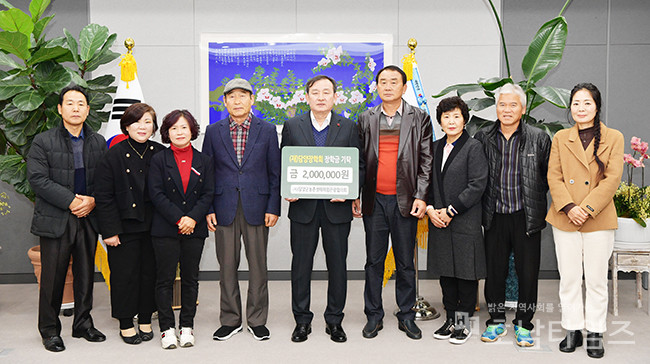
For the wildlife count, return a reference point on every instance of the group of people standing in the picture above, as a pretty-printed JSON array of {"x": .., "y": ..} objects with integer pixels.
[
  {"x": 488, "y": 199},
  {"x": 484, "y": 197}
]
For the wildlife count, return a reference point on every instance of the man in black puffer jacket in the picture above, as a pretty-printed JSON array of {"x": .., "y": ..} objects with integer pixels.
[
  {"x": 61, "y": 170},
  {"x": 514, "y": 208}
]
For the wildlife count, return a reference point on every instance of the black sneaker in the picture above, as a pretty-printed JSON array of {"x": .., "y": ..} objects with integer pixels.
[
  {"x": 445, "y": 331},
  {"x": 460, "y": 335},
  {"x": 260, "y": 332},
  {"x": 226, "y": 332}
]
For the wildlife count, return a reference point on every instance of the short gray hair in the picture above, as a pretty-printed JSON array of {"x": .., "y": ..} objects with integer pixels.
[{"x": 511, "y": 88}]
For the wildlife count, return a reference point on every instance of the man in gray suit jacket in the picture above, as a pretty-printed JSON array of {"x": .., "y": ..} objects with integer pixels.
[{"x": 320, "y": 128}]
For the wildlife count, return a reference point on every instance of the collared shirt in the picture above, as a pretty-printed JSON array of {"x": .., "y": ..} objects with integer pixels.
[
  {"x": 79, "y": 169},
  {"x": 239, "y": 135},
  {"x": 390, "y": 118},
  {"x": 320, "y": 127},
  {"x": 509, "y": 197}
]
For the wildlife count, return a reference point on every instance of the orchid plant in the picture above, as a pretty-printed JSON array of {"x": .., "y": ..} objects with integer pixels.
[{"x": 631, "y": 200}]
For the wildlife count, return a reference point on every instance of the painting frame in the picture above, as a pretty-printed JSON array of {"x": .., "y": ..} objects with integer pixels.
[{"x": 327, "y": 52}]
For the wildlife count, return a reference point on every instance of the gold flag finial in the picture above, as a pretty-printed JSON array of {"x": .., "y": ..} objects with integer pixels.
[
  {"x": 128, "y": 66},
  {"x": 409, "y": 59},
  {"x": 129, "y": 43},
  {"x": 412, "y": 43}
]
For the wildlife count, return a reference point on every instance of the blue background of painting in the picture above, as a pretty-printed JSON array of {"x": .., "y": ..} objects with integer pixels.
[{"x": 307, "y": 56}]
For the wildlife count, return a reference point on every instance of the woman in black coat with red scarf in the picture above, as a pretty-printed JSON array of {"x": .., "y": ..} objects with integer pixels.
[{"x": 181, "y": 188}]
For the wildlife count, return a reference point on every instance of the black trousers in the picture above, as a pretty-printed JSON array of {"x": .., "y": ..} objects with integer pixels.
[
  {"x": 458, "y": 295},
  {"x": 133, "y": 278},
  {"x": 304, "y": 241},
  {"x": 386, "y": 220},
  {"x": 169, "y": 252},
  {"x": 508, "y": 233},
  {"x": 79, "y": 241}
]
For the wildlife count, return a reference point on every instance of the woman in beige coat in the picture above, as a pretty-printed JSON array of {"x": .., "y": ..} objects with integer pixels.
[{"x": 584, "y": 171}]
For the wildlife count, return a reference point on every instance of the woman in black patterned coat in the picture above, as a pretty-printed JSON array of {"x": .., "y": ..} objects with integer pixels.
[
  {"x": 456, "y": 250},
  {"x": 125, "y": 212}
]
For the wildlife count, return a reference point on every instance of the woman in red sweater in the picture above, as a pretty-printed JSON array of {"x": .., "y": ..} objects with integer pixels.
[{"x": 181, "y": 186}]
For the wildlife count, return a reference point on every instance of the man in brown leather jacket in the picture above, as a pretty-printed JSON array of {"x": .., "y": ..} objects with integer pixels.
[{"x": 396, "y": 142}]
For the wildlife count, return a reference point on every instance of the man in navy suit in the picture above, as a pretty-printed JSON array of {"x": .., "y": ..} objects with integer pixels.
[
  {"x": 322, "y": 128},
  {"x": 246, "y": 203}
]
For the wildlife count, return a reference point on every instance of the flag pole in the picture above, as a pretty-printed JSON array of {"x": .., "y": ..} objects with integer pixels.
[{"x": 423, "y": 310}]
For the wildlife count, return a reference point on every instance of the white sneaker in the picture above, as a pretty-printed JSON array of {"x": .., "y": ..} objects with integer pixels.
[
  {"x": 168, "y": 339},
  {"x": 186, "y": 337}
]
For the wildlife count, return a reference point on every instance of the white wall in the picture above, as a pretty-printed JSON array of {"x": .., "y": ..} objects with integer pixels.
[{"x": 458, "y": 42}]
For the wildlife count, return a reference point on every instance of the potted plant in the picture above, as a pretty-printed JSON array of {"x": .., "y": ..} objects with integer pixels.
[
  {"x": 35, "y": 69},
  {"x": 544, "y": 53},
  {"x": 633, "y": 202}
]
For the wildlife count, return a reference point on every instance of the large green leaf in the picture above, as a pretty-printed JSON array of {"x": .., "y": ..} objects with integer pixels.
[
  {"x": 16, "y": 43},
  {"x": 52, "y": 49},
  {"x": 14, "y": 115},
  {"x": 76, "y": 79},
  {"x": 91, "y": 38},
  {"x": 494, "y": 83},
  {"x": 13, "y": 170},
  {"x": 480, "y": 104},
  {"x": 96, "y": 118},
  {"x": 6, "y": 60},
  {"x": 40, "y": 26},
  {"x": 18, "y": 133},
  {"x": 51, "y": 77},
  {"x": 545, "y": 51},
  {"x": 100, "y": 59},
  {"x": 460, "y": 89},
  {"x": 45, "y": 54},
  {"x": 550, "y": 128},
  {"x": 10, "y": 168},
  {"x": 37, "y": 8},
  {"x": 6, "y": 4},
  {"x": 13, "y": 86},
  {"x": 53, "y": 118},
  {"x": 72, "y": 46},
  {"x": 15, "y": 20},
  {"x": 101, "y": 83},
  {"x": 28, "y": 100},
  {"x": 97, "y": 100},
  {"x": 559, "y": 97},
  {"x": 477, "y": 123}
]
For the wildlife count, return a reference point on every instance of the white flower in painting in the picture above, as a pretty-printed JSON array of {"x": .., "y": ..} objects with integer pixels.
[
  {"x": 323, "y": 62},
  {"x": 373, "y": 87},
  {"x": 264, "y": 95},
  {"x": 277, "y": 103},
  {"x": 335, "y": 54},
  {"x": 290, "y": 103},
  {"x": 371, "y": 64},
  {"x": 340, "y": 98},
  {"x": 356, "y": 97},
  {"x": 299, "y": 96},
  {"x": 346, "y": 114}
]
